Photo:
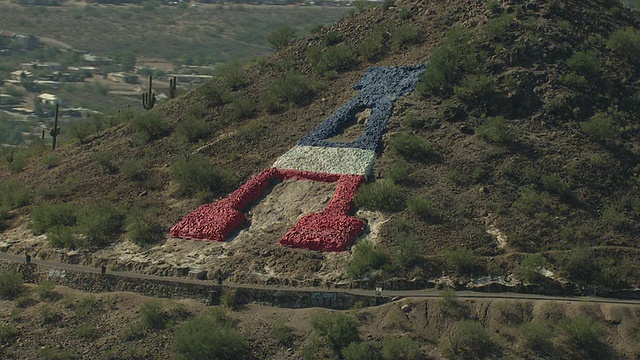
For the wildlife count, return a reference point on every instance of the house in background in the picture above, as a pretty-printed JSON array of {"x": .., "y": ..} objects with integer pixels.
[{"x": 47, "y": 99}]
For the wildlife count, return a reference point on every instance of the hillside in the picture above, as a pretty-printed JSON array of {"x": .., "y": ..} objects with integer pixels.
[{"x": 517, "y": 154}]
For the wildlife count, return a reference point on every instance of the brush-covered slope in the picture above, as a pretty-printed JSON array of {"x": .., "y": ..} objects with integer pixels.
[{"x": 517, "y": 152}]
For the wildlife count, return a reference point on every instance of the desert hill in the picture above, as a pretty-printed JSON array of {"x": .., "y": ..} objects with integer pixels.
[{"x": 516, "y": 154}]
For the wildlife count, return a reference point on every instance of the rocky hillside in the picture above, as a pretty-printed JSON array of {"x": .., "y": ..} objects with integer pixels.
[{"x": 518, "y": 154}]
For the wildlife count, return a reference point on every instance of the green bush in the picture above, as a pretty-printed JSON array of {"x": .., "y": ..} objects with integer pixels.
[
  {"x": 64, "y": 237},
  {"x": 106, "y": 160},
  {"x": 497, "y": 130},
  {"x": 365, "y": 258},
  {"x": 152, "y": 315},
  {"x": 196, "y": 174},
  {"x": 536, "y": 335},
  {"x": 408, "y": 245},
  {"x": 601, "y": 128},
  {"x": 291, "y": 88},
  {"x": 498, "y": 27},
  {"x": 233, "y": 74},
  {"x": 46, "y": 291},
  {"x": 373, "y": 47},
  {"x": 530, "y": 270},
  {"x": 150, "y": 126},
  {"x": 581, "y": 332},
  {"x": 359, "y": 351},
  {"x": 401, "y": 348},
  {"x": 337, "y": 328},
  {"x": 626, "y": 42},
  {"x": 132, "y": 169},
  {"x": 243, "y": 108},
  {"x": 381, "y": 195},
  {"x": 13, "y": 194},
  {"x": 11, "y": 284},
  {"x": 495, "y": 7},
  {"x": 87, "y": 331},
  {"x": 143, "y": 227},
  {"x": 333, "y": 59},
  {"x": 332, "y": 38},
  {"x": 399, "y": 172},
  {"x": 405, "y": 35},
  {"x": 584, "y": 61},
  {"x": 101, "y": 223},
  {"x": 209, "y": 336},
  {"x": 461, "y": 260},
  {"x": 556, "y": 184},
  {"x": 214, "y": 94},
  {"x": 581, "y": 266},
  {"x": 51, "y": 160},
  {"x": 49, "y": 315},
  {"x": 281, "y": 37},
  {"x": 469, "y": 341},
  {"x": 283, "y": 332},
  {"x": 614, "y": 218},
  {"x": 8, "y": 333},
  {"x": 193, "y": 128},
  {"x": 574, "y": 80},
  {"x": 476, "y": 88},
  {"x": 49, "y": 215},
  {"x": 411, "y": 147},
  {"x": 420, "y": 207},
  {"x": 457, "y": 55}
]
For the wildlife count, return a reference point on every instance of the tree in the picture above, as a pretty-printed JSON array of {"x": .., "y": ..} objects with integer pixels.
[{"x": 280, "y": 37}]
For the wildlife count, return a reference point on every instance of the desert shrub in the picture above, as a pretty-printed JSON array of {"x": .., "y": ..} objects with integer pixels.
[
  {"x": 291, "y": 88},
  {"x": 196, "y": 174},
  {"x": 143, "y": 227},
  {"x": 461, "y": 260},
  {"x": 232, "y": 73},
  {"x": 373, "y": 47},
  {"x": 8, "y": 333},
  {"x": 101, "y": 223},
  {"x": 600, "y": 127},
  {"x": 214, "y": 94},
  {"x": 87, "y": 304},
  {"x": 283, "y": 332},
  {"x": 495, "y": 7},
  {"x": 53, "y": 353},
  {"x": 626, "y": 42},
  {"x": 365, "y": 258},
  {"x": 399, "y": 172},
  {"x": 469, "y": 341},
  {"x": 46, "y": 291},
  {"x": 64, "y": 237},
  {"x": 193, "y": 128},
  {"x": 133, "y": 169},
  {"x": 497, "y": 130},
  {"x": 281, "y": 36},
  {"x": 152, "y": 315},
  {"x": 332, "y": 38},
  {"x": 475, "y": 88},
  {"x": 13, "y": 194},
  {"x": 413, "y": 121},
  {"x": 614, "y": 218},
  {"x": 457, "y": 54},
  {"x": 106, "y": 159},
  {"x": 381, "y": 195},
  {"x": 420, "y": 207},
  {"x": 532, "y": 202},
  {"x": 243, "y": 108},
  {"x": 581, "y": 266},
  {"x": 405, "y": 35},
  {"x": 48, "y": 215},
  {"x": 581, "y": 332},
  {"x": 337, "y": 328},
  {"x": 229, "y": 298},
  {"x": 401, "y": 348},
  {"x": 51, "y": 160},
  {"x": 330, "y": 60},
  {"x": 150, "y": 126},
  {"x": 584, "y": 61},
  {"x": 209, "y": 336},
  {"x": 556, "y": 184},
  {"x": 411, "y": 147},
  {"x": 530, "y": 270},
  {"x": 408, "y": 245},
  {"x": 49, "y": 315},
  {"x": 87, "y": 331},
  {"x": 536, "y": 335},
  {"x": 359, "y": 351},
  {"x": 11, "y": 284},
  {"x": 451, "y": 305},
  {"x": 498, "y": 27},
  {"x": 574, "y": 80}
]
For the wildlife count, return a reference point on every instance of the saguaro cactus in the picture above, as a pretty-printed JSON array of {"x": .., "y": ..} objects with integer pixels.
[
  {"x": 56, "y": 130},
  {"x": 149, "y": 98},
  {"x": 172, "y": 87}
]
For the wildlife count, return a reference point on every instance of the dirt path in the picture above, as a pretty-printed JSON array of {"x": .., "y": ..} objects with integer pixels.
[{"x": 430, "y": 293}]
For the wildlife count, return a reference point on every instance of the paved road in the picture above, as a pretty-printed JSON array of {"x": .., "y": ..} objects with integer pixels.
[{"x": 428, "y": 293}]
